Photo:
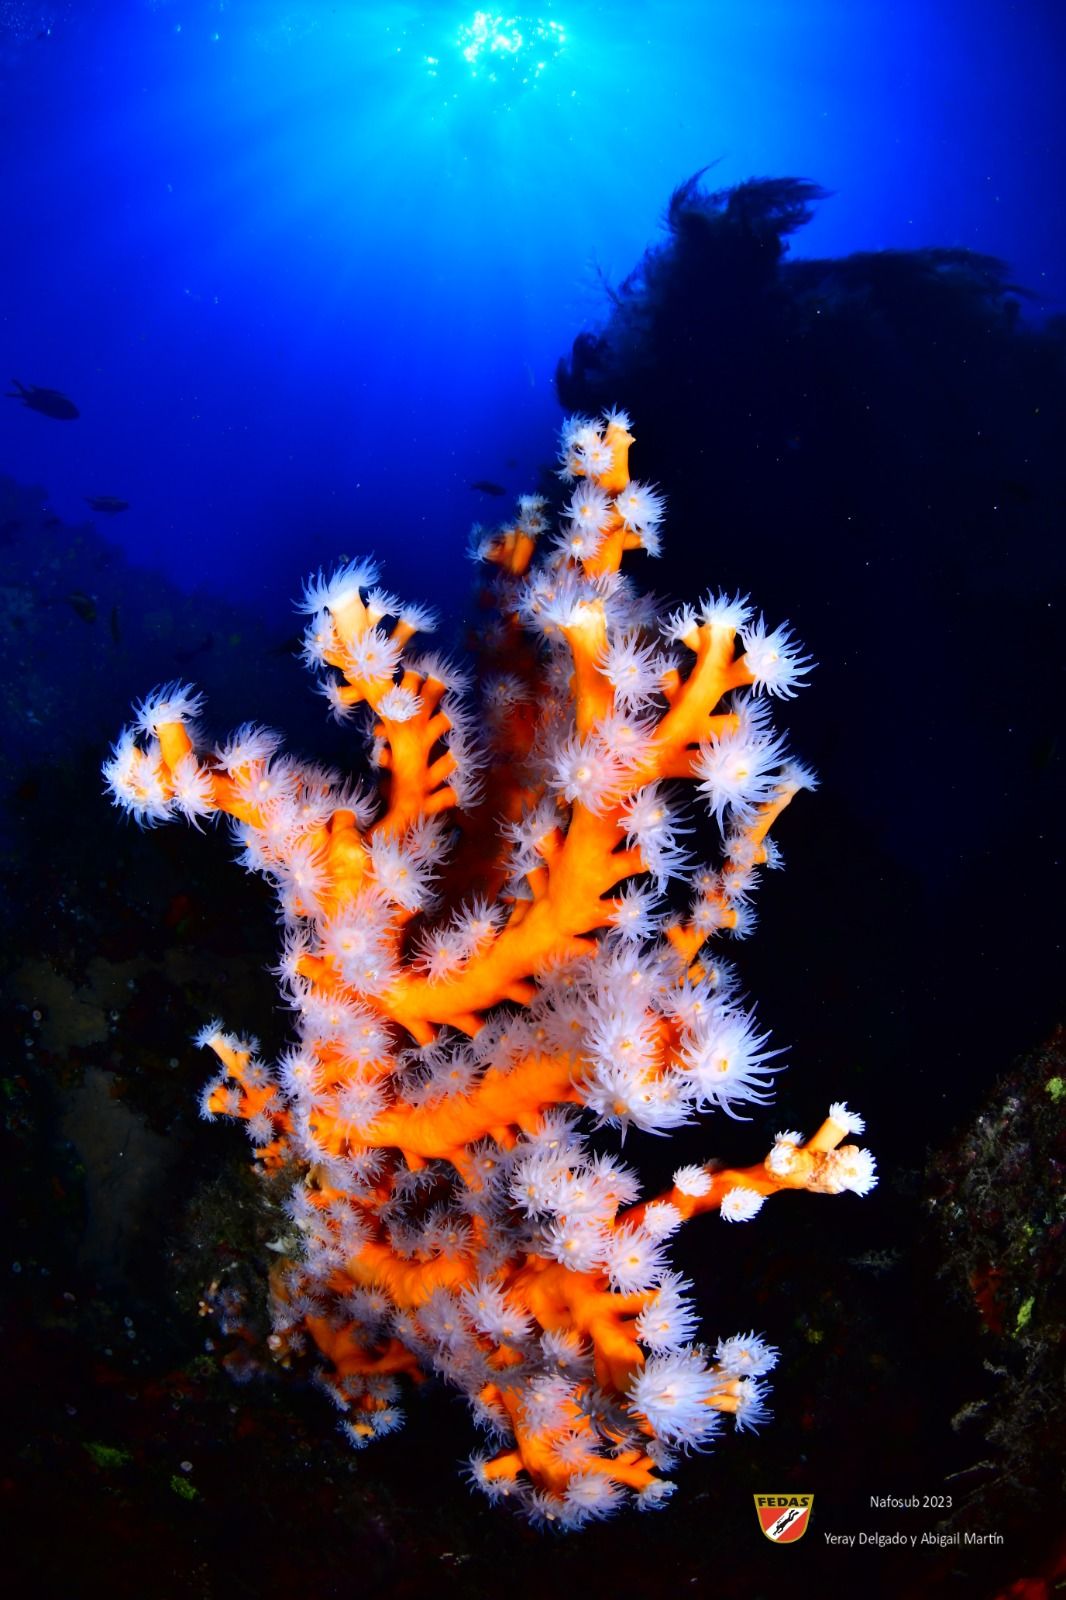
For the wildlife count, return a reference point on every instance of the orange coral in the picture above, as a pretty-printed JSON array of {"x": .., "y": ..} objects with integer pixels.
[{"x": 487, "y": 966}]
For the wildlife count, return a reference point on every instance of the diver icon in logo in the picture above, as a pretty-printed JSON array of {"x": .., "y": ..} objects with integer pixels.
[{"x": 783, "y": 1518}]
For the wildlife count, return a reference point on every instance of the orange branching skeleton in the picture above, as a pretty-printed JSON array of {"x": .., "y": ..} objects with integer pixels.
[{"x": 492, "y": 981}]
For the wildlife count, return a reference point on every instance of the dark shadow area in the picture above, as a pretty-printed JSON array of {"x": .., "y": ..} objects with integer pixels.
[{"x": 871, "y": 446}]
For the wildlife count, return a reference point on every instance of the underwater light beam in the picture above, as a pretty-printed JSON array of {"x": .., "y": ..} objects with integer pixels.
[{"x": 491, "y": 44}]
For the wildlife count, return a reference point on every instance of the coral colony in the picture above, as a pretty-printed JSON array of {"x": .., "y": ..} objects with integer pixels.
[{"x": 474, "y": 1002}]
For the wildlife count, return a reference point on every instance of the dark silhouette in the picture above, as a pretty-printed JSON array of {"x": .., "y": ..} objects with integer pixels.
[
  {"x": 49, "y": 402},
  {"x": 872, "y": 446},
  {"x": 82, "y": 605}
]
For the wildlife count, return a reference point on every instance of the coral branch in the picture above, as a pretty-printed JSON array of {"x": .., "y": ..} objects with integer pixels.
[{"x": 477, "y": 1025}]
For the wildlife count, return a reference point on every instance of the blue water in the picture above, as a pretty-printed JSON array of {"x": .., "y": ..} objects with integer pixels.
[{"x": 306, "y": 270}]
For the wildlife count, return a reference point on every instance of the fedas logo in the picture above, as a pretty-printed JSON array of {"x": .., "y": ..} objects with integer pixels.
[{"x": 783, "y": 1518}]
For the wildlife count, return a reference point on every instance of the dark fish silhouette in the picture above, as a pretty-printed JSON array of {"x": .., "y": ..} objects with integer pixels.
[
  {"x": 486, "y": 486},
  {"x": 106, "y": 502},
  {"x": 49, "y": 402},
  {"x": 116, "y": 632},
  {"x": 82, "y": 605}
]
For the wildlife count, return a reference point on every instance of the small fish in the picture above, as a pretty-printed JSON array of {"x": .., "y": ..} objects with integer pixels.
[
  {"x": 83, "y": 605},
  {"x": 49, "y": 402},
  {"x": 52, "y": 522},
  {"x": 486, "y": 486},
  {"x": 106, "y": 502}
]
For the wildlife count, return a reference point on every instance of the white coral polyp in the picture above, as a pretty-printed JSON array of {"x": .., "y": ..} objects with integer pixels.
[{"x": 473, "y": 1034}]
